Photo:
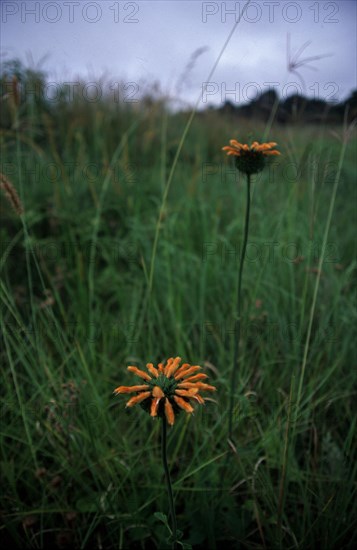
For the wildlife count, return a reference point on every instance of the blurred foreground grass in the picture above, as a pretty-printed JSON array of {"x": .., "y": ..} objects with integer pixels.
[{"x": 78, "y": 470}]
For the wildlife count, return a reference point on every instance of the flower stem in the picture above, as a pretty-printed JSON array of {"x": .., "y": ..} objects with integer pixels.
[
  {"x": 238, "y": 320},
  {"x": 168, "y": 484}
]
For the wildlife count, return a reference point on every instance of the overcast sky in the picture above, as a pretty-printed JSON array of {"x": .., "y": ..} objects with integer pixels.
[{"x": 153, "y": 40}]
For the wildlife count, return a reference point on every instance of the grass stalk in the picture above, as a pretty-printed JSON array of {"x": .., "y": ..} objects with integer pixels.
[
  {"x": 285, "y": 462},
  {"x": 239, "y": 313},
  {"x": 168, "y": 483}
]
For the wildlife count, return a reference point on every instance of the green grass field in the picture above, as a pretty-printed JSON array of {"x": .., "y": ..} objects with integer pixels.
[{"x": 85, "y": 293}]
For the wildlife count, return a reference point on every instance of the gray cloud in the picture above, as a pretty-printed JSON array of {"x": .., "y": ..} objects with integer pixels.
[{"x": 147, "y": 40}]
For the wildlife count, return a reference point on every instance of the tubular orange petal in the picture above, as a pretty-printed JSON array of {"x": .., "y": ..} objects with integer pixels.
[
  {"x": 160, "y": 367},
  {"x": 130, "y": 389},
  {"x": 187, "y": 372},
  {"x": 199, "y": 376},
  {"x": 173, "y": 367},
  {"x": 187, "y": 393},
  {"x": 168, "y": 363},
  {"x": 271, "y": 153},
  {"x": 254, "y": 145},
  {"x": 169, "y": 412},
  {"x": 138, "y": 398},
  {"x": 236, "y": 143},
  {"x": 231, "y": 150},
  {"x": 183, "y": 368},
  {"x": 183, "y": 404},
  {"x": 140, "y": 373},
  {"x": 265, "y": 146},
  {"x": 199, "y": 385},
  {"x": 157, "y": 392},
  {"x": 154, "y": 406},
  {"x": 205, "y": 387},
  {"x": 152, "y": 370}
]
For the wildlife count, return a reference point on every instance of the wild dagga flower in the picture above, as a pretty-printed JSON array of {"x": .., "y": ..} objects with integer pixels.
[
  {"x": 167, "y": 389},
  {"x": 249, "y": 159}
]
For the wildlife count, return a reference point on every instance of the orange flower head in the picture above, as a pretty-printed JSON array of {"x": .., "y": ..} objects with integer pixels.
[
  {"x": 166, "y": 390},
  {"x": 250, "y": 159}
]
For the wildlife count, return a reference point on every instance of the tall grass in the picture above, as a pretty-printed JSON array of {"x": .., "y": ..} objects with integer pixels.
[{"x": 80, "y": 470}]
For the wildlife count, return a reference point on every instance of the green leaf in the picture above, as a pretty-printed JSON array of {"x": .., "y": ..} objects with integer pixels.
[{"x": 163, "y": 518}]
